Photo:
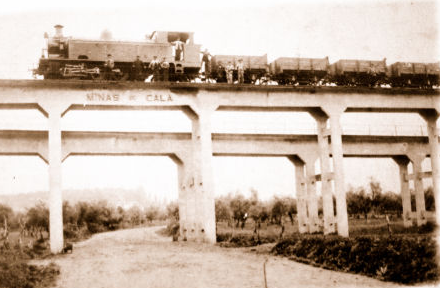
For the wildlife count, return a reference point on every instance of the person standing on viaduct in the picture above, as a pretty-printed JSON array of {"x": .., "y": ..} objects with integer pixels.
[
  {"x": 207, "y": 62},
  {"x": 138, "y": 69},
  {"x": 165, "y": 68},
  {"x": 230, "y": 72},
  {"x": 108, "y": 68},
  {"x": 240, "y": 71},
  {"x": 179, "y": 49},
  {"x": 155, "y": 67}
]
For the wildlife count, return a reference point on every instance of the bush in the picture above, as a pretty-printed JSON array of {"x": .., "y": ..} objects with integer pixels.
[
  {"x": 398, "y": 258},
  {"x": 172, "y": 230},
  {"x": 16, "y": 273},
  {"x": 244, "y": 240}
]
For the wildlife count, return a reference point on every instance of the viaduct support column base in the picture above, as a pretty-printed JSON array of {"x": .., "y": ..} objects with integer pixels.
[
  {"x": 201, "y": 188},
  {"x": 403, "y": 161},
  {"x": 301, "y": 203},
  {"x": 184, "y": 201},
  {"x": 335, "y": 112},
  {"x": 417, "y": 160},
  {"x": 312, "y": 200},
  {"x": 433, "y": 133},
  {"x": 324, "y": 159}
]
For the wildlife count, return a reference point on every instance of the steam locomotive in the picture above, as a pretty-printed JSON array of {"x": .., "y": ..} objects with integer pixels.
[{"x": 67, "y": 57}]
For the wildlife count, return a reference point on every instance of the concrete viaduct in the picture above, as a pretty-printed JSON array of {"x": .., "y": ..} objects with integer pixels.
[{"x": 192, "y": 152}]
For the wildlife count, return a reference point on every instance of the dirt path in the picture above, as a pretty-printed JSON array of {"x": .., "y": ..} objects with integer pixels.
[{"x": 141, "y": 258}]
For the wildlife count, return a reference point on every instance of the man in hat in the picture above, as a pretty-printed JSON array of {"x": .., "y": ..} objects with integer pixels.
[
  {"x": 137, "y": 69},
  {"x": 108, "y": 67},
  {"x": 230, "y": 72},
  {"x": 207, "y": 62},
  {"x": 178, "y": 49},
  {"x": 240, "y": 71},
  {"x": 165, "y": 67},
  {"x": 155, "y": 67}
]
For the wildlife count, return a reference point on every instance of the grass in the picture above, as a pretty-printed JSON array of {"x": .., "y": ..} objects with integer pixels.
[
  {"x": 402, "y": 243},
  {"x": 357, "y": 227},
  {"x": 15, "y": 272}
]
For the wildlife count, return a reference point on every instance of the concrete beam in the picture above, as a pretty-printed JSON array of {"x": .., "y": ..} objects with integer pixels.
[
  {"x": 420, "y": 175},
  {"x": 231, "y": 97},
  {"x": 15, "y": 142}
]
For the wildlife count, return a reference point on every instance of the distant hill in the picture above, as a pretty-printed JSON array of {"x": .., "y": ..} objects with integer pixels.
[{"x": 114, "y": 196}]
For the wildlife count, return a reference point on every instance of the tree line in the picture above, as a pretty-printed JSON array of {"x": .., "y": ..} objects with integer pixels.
[
  {"x": 375, "y": 202},
  {"x": 85, "y": 218},
  {"x": 80, "y": 219}
]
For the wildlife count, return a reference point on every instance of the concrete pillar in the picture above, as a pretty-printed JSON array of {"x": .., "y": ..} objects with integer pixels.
[
  {"x": 183, "y": 197},
  {"x": 189, "y": 226},
  {"x": 203, "y": 189},
  {"x": 312, "y": 200},
  {"x": 326, "y": 187},
  {"x": 416, "y": 161},
  {"x": 433, "y": 134},
  {"x": 334, "y": 113},
  {"x": 301, "y": 200},
  {"x": 55, "y": 186},
  {"x": 402, "y": 162}
]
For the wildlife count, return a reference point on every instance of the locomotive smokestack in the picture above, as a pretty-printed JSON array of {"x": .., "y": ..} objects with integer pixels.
[{"x": 59, "y": 30}]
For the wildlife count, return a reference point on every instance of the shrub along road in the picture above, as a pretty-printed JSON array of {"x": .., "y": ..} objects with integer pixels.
[{"x": 141, "y": 258}]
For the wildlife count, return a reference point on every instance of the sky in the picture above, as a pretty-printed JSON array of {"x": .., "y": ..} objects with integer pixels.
[{"x": 396, "y": 30}]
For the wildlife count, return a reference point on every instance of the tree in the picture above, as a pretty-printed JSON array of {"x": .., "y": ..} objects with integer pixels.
[
  {"x": 291, "y": 208},
  {"x": 38, "y": 218},
  {"x": 222, "y": 210},
  {"x": 6, "y": 212},
  {"x": 279, "y": 209},
  {"x": 152, "y": 213},
  {"x": 358, "y": 202},
  {"x": 173, "y": 211},
  {"x": 134, "y": 216},
  {"x": 256, "y": 213},
  {"x": 70, "y": 215},
  {"x": 239, "y": 207},
  {"x": 429, "y": 199},
  {"x": 376, "y": 196}
]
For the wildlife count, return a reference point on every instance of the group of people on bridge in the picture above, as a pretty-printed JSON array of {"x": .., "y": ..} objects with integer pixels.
[
  {"x": 138, "y": 71},
  {"x": 228, "y": 69}
]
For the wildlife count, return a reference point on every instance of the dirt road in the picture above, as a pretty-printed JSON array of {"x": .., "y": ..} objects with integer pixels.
[{"x": 141, "y": 258}]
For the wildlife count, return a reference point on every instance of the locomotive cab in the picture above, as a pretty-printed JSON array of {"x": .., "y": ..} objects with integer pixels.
[{"x": 185, "y": 54}]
